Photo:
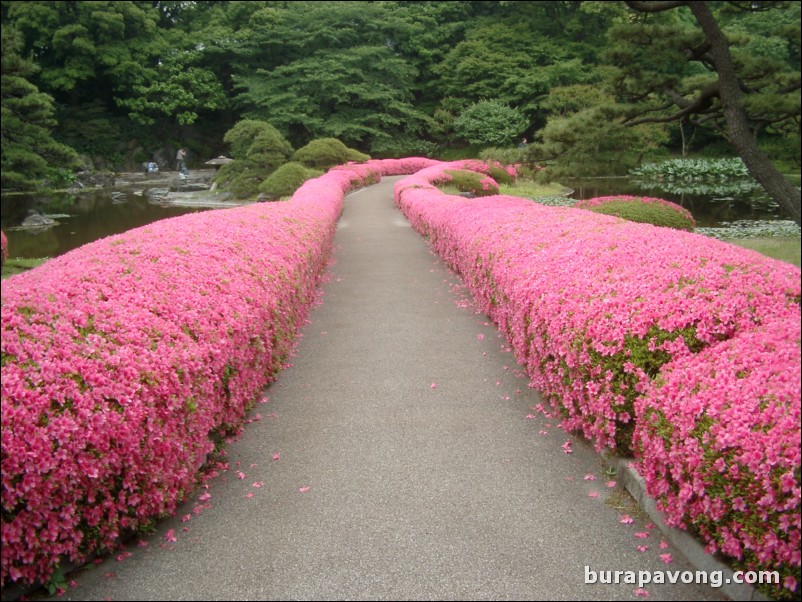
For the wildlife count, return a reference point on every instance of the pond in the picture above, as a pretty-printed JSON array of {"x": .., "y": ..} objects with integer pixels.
[
  {"x": 82, "y": 218},
  {"x": 711, "y": 204}
]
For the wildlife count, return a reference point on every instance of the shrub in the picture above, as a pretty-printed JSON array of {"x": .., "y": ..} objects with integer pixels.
[
  {"x": 693, "y": 169},
  {"x": 719, "y": 439},
  {"x": 505, "y": 156},
  {"x": 618, "y": 322},
  {"x": 123, "y": 363},
  {"x": 644, "y": 210},
  {"x": 3, "y": 247},
  {"x": 258, "y": 150},
  {"x": 286, "y": 180},
  {"x": 324, "y": 153},
  {"x": 470, "y": 181}
]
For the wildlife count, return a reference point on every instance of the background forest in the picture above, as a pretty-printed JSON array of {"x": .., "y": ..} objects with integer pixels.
[{"x": 593, "y": 86}]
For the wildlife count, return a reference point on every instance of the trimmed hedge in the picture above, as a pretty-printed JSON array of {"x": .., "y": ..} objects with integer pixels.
[
  {"x": 606, "y": 314},
  {"x": 644, "y": 210},
  {"x": 124, "y": 361}
]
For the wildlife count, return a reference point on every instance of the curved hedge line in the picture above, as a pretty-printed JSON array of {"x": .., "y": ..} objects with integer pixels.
[
  {"x": 602, "y": 312},
  {"x": 124, "y": 359}
]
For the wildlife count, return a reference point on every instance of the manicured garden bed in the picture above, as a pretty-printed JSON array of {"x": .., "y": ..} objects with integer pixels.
[{"x": 626, "y": 326}]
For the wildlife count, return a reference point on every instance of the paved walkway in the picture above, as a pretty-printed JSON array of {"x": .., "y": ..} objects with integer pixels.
[{"x": 406, "y": 418}]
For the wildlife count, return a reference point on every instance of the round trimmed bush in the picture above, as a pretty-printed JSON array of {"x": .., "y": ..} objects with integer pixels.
[
  {"x": 477, "y": 184},
  {"x": 645, "y": 210},
  {"x": 324, "y": 153},
  {"x": 286, "y": 180}
]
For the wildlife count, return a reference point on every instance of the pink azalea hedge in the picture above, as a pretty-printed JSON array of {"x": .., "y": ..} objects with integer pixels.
[
  {"x": 123, "y": 361},
  {"x": 718, "y": 434},
  {"x": 596, "y": 308}
]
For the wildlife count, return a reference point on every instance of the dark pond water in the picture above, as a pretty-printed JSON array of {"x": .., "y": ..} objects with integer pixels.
[
  {"x": 92, "y": 215},
  {"x": 711, "y": 204}
]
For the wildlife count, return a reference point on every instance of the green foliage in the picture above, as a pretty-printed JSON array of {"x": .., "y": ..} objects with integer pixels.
[
  {"x": 503, "y": 155},
  {"x": 176, "y": 89},
  {"x": 327, "y": 152},
  {"x": 634, "y": 209},
  {"x": 469, "y": 181},
  {"x": 286, "y": 180},
  {"x": 258, "y": 150},
  {"x": 30, "y": 155},
  {"x": 693, "y": 169},
  {"x": 509, "y": 60},
  {"x": 490, "y": 122},
  {"x": 585, "y": 136}
]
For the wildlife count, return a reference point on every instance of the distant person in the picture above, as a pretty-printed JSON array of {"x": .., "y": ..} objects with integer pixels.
[
  {"x": 180, "y": 161},
  {"x": 523, "y": 143},
  {"x": 153, "y": 167}
]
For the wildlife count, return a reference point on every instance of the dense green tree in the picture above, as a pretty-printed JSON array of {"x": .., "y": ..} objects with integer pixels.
[
  {"x": 330, "y": 70},
  {"x": 490, "y": 122},
  {"x": 511, "y": 63},
  {"x": 676, "y": 62},
  {"x": 585, "y": 136},
  {"x": 29, "y": 152}
]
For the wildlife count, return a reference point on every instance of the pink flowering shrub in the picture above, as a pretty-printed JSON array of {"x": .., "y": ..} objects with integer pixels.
[
  {"x": 719, "y": 438},
  {"x": 645, "y": 210},
  {"x": 124, "y": 361},
  {"x": 597, "y": 308},
  {"x": 3, "y": 247}
]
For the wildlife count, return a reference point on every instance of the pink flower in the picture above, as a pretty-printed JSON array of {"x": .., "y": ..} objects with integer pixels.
[
  {"x": 666, "y": 558},
  {"x": 304, "y": 489},
  {"x": 170, "y": 536},
  {"x": 626, "y": 519}
]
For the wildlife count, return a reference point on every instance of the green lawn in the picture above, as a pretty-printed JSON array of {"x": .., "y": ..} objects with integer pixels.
[
  {"x": 17, "y": 266},
  {"x": 785, "y": 249}
]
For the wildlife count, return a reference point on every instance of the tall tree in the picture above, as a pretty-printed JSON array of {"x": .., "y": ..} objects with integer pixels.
[
  {"x": 29, "y": 152},
  {"x": 320, "y": 69},
  {"x": 702, "y": 77}
]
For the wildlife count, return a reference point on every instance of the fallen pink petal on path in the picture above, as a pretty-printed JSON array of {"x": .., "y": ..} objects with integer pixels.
[
  {"x": 663, "y": 544},
  {"x": 304, "y": 489},
  {"x": 641, "y": 535},
  {"x": 277, "y": 456},
  {"x": 170, "y": 536},
  {"x": 240, "y": 475},
  {"x": 666, "y": 558},
  {"x": 642, "y": 548},
  {"x": 626, "y": 520},
  {"x": 590, "y": 477},
  {"x": 639, "y": 591}
]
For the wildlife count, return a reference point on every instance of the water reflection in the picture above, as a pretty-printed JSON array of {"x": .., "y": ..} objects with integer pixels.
[{"x": 92, "y": 215}]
